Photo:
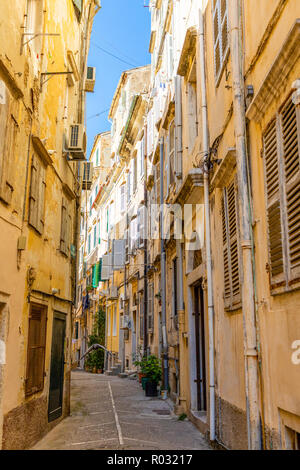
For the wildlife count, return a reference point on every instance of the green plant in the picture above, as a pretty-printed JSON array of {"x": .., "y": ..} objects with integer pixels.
[
  {"x": 152, "y": 368},
  {"x": 182, "y": 417},
  {"x": 141, "y": 364},
  {"x": 96, "y": 357}
]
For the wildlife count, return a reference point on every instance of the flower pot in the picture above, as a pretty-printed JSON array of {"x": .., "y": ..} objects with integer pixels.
[
  {"x": 141, "y": 375},
  {"x": 151, "y": 389},
  {"x": 144, "y": 381},
  {"x": 100, "y": 371},
  {"x": 94, "y": 370}
]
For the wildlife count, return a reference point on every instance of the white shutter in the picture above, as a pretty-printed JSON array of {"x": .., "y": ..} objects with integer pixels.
[
  {"x": 118, "y": 254},
  {"x": 105, "y": 268},
  {"x": 178, "y": 129}
]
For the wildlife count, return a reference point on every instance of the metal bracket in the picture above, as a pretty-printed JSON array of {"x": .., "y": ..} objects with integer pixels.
[
  {"x": 34, "y": 35},
  {"x": 51, "y": 75}
]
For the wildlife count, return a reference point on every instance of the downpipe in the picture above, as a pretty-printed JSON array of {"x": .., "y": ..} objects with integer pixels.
[
  {"x": 165, "y": 362},
  {"x": 249, "y": 320},
  {"x": 210, "y": 303}
]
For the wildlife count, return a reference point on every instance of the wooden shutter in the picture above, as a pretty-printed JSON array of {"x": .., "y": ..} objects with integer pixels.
[
  {"x": 8, "y": 131},
  {"x": 217, "y": 41},
  {"x": 232, "y": 291},
  {"x": 36, "y": 350},
  {"x": 41, "y": 199},
  {"x": 220, "y": 29},
  {"x": 141, "y": 312},
  {"x": 150, "y": 306},
  {"x": 273, "y": 202},
  {"x": 64, "y": 223},
  {"x": 290, "y": 143},
  {"x": 33, "y": 197}
]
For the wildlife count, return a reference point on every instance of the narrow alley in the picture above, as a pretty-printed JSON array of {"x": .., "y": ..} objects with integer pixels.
[{"x": 113, "y": 413}]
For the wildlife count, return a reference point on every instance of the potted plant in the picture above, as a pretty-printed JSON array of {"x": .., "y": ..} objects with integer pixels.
[
  {"x": 141, "y": 365},
  {"x": 153, "y": 373}
]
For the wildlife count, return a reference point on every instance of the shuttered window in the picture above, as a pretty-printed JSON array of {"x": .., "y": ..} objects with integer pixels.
[
  {"x": 65, "y": 231},
  {"x": 8, "y": 133},
  {"x": 171, "y": 147},
  {"x": 281, "y": 143},
  {"x": 36, "y": 349},
  {"x": 150, "y": 307},
  {"x": 141, "y": 312},
  {"x": 232, "y": 289},
  {"x": 220, "y": 31},
  {"x": 37, "y": 194}
]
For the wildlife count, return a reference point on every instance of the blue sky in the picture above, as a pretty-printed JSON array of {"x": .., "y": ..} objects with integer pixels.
[{"x": 122, "y": 28}]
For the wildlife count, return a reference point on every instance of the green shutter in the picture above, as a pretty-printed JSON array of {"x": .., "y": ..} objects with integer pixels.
[{"x": 96, "y": 275}]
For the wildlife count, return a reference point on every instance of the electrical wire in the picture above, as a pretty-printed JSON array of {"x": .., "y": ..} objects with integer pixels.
[
  {"x": 99, "y": 114},
  {"x": 113, "y": 55}
]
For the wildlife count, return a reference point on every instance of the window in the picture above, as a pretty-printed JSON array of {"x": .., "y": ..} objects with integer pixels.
[
  {"x": 91, "y": 203},
  {"x": 114, "y": 321},
  {"x": 96, "y": 191},
  {"x": 89, "y": 243},
  {"x": 37, "y": 194},
  {"x": 128, "y": 188},
  {"x": 134, "y": 171},
  {"x": 141, "y": 311},
  {"x": 171, "y": 148},
  {"x": 142, "y": 156},
  {"x": 97, "y": 157},
  {"x": 282, "y": 182},
  {"x": 122, "y": 198},
  {"x": 34, "y": 24},
  {"x": 232, "y": 293},
  {"x": 36, "y": 349},
  {"x": 65, "y": 231},
  {"x": 108, "y": 322},
  {"x": 150, "y": 307},
  {"x": 95, "y": 235},
  {"x": 175, "y": 287},
  {"x": 220, "y": 28},
  {"x": 8, "y": 132}
]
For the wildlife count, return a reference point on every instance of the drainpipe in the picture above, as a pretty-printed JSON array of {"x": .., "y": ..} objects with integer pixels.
[
  {"x": 163, "y": 276},
  {"x": 210, "y": 304},
  {"x": 145, "y": 339},
  {"x": 250, "y": 342},
  {"x": 181, "y": 320}
]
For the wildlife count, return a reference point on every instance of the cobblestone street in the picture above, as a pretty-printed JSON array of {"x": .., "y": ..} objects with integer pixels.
[{"x": 113, "y": 413}]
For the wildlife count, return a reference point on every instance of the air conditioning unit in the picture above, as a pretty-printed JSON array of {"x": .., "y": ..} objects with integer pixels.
[
  {"x": 124, "y": 321},
  {"x": 113, "y": 292},
  {"x": 77, "y": 141},
  {"x": 87, "y": 175},
  {"x": 90, "y": 79}
]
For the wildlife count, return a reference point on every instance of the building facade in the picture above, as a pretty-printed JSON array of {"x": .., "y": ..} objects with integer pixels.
[
  {"x": 210, "y": 229},
  {"x": 43, "y": 80}
]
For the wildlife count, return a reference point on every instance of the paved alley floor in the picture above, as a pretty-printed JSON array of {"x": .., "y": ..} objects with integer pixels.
[{"x": 113, "y": 413}]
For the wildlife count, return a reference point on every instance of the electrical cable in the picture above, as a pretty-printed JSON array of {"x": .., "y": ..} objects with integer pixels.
[
  {"x": 98, "y": 114},
  {"x": 113, "y": 55}
]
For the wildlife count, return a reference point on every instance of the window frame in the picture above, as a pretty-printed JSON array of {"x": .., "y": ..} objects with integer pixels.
[
  {"x": 42, "y": 345},
  {"x": 216, "y": 10},
  {"x": 287, "y": 280}
]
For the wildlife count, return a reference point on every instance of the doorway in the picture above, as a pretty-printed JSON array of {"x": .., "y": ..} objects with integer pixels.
[
  {"x": 57, "y": 367},
  {"x": 199, "y": 331}
]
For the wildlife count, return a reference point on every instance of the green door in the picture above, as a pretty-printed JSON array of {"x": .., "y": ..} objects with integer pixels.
[{"x": 57, "y": 367}]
